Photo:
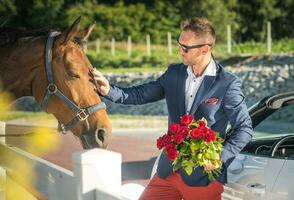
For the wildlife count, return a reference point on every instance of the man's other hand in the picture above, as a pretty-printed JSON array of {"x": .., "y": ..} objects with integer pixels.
[{"x": 211, "y": 166}]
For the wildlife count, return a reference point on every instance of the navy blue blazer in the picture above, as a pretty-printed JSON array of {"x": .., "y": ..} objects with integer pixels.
[{"x": 230, "y": 108}]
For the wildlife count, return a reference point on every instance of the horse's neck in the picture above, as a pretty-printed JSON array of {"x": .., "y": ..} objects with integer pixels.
[{"x": 20, "y": 64}]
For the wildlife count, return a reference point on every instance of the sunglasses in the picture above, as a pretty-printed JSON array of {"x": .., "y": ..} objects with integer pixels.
[{"x": 186, "y": 48}]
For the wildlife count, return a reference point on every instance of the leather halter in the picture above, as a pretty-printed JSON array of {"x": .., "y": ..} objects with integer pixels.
[{"x": 52, "y": 89}]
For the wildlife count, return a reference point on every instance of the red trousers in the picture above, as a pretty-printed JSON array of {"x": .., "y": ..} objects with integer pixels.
[{"x": 173, "y": 188}]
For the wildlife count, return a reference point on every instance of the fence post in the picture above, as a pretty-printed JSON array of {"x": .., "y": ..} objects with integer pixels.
[
  {"x": 97, "y": 46},
  {"x": 2, "y": 183},
  {"x": 129, "y": 46},
  {"x": 169, "y": 43},
  {"x": 85, "y": 47},
  {"x": 148, "y": 45},
  {"x": 2, "y": 131},
  {"x": 97, "y": 169},
  {"x": 269, "y": 38},
  {"x": 113, "y": 47},
  {"x": 229, "y": 39}
]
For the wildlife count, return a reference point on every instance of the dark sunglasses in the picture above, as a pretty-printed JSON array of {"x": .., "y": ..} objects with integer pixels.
[{"x": 187, "y": 48}]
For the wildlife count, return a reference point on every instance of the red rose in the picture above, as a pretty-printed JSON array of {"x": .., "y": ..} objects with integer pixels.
[
  {"x": 173, "y": 128},
  {"x": 196, "y": 133},
  {"x": 201, "y": 123},
  {"x": 209, "y": 136},
  {"x": 204, "y": 129},
  {"x": 159, "y": 143},
  {"x": 183, "y": 130},
  {"x": 171, "y": 152},
  {"x": 166, "y": 139},
  {"x": 179, "y": 138},
  {"x": 186, "y": 120}
]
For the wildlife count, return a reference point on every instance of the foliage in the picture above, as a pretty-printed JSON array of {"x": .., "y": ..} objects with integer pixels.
[
  {"x": 254, "y": 15},
  {"x": 137, "y": 18},
  {"x": 219, "y": 12},
  {"x": 7, "y": 10}
]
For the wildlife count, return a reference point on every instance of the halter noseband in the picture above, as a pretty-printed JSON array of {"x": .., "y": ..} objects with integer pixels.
[{"x": 52, "y": 89}]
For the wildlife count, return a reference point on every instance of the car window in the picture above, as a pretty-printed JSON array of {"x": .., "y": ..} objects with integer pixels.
[{"x": 280, "y": 122}]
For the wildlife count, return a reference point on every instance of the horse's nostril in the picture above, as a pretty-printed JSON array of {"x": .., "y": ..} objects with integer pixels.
[
  {"x": 101, "y": 134},
  {"x": 94, "y": 139}
]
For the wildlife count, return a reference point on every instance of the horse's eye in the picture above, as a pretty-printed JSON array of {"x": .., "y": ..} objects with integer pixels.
[{"x": 73, "y": 75}]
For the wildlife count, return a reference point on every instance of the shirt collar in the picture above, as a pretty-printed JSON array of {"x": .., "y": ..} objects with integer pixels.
[{"x": 209, "y": 71}]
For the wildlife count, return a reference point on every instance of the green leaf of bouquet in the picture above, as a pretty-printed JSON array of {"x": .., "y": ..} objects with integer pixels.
[
  {"x": 212, "y": 146},
  {"x": 219, "y": 145},
  {"x": 194, "y": 145},
  {"x": 202, "y": 145},
  {"x": 193, "y": 125},
  {"x": 186, "y": 163},
  {"x": 164, "y": 151},
  {"x": 188, "y": 169},
  {"x": 207, "y": 155},
  {"x": 215, "y": 156},
  {"x": 176, "y": 164}
]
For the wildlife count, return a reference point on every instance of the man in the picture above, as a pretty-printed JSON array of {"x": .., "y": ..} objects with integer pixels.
[{"x": 200, "y": 87}]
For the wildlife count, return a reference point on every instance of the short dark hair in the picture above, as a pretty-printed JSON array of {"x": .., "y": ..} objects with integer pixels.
[{"x": 200, "y": 26}]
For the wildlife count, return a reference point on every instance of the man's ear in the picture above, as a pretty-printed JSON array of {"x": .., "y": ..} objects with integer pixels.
[
  {"x": 71, "y": 32},
  {"x": 205, "y": 49},
  {"x": 84, "y": 34}
]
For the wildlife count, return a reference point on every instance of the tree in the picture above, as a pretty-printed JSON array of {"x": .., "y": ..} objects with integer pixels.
[
  {"x": 8, "y": 10},
  {"x": 283, "y": 25},
  {"x": 253, "y": 17},
  {"x": 219, "y": 12}
]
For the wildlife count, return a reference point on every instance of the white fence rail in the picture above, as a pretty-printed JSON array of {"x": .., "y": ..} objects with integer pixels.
[{"x": 96, "y": 175}]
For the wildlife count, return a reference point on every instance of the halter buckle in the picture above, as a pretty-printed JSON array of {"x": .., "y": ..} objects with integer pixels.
[
  {"x": 82, "y": 115},
  {"x": 52, "y": 88}
]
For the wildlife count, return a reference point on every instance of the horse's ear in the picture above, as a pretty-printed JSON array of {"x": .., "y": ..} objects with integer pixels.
[
  {"x": 72, "y": 31},
  {"x": 84, "y": 34}
]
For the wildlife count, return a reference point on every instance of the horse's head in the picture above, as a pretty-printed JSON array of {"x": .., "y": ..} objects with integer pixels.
[{"x": 71, "y": 94}]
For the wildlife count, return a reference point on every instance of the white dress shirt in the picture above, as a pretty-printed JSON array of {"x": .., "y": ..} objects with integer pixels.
[{"x": 193, "y": 83}]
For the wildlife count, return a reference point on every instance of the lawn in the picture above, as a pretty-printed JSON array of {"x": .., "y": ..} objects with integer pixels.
[
  {"x": 117, "y": 120},
  {"x": 159, "y": 59}
]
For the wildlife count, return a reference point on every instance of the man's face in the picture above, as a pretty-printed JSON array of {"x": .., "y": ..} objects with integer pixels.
[{"x": 191, "y": 47}]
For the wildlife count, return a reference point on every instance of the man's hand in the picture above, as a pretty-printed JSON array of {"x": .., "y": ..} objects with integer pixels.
[
  {"x": 103, "y": 86},
  {"x": 211, "y": 166}
]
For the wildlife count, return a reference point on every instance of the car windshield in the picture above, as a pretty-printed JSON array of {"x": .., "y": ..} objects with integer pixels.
[{"x": 279, "y": 123}]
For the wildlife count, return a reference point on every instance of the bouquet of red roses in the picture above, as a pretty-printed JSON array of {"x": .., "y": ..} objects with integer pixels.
[{"x": 191, "y": 144}]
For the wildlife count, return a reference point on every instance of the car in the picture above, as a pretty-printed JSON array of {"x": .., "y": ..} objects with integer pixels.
[{"x": 264, "y": 169}]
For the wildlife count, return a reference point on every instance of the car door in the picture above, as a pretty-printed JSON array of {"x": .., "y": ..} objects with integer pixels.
[
  {"x": 258, "y": 173},
  {"x": 284, "y": 183}
]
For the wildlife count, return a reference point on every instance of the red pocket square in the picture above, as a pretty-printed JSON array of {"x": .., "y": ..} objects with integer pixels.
[{"x": 211, "y": 101}]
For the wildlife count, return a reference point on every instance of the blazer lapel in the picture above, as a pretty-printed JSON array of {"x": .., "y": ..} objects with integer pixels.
[
  {"x": 202, "y": 92},
  {"x": 181, "y": 89}
]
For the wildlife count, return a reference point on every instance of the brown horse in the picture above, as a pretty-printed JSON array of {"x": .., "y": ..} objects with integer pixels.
[{"x": 54, "y": 69}]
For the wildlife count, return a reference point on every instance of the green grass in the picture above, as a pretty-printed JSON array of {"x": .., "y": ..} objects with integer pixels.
[
  {"x": 117, "y": 120},
  {"x": 160, "y": 59},
  {"x": 133, "y": 69},
  {"x": 11, "y": 115}
]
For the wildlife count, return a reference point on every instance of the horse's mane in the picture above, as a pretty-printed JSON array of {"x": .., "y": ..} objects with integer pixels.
[{"x": 10, "y": 35}]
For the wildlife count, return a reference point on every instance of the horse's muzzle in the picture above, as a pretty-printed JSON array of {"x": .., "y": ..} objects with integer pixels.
[{"x": 94, "y": 139}]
